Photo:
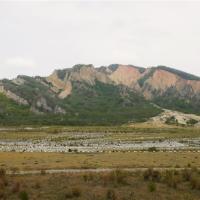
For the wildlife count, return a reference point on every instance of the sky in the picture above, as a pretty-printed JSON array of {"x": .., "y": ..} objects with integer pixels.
[{"x": 38, "y": 37}]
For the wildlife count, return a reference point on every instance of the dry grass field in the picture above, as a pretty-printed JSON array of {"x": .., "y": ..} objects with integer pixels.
[
  {"x": 116, "y": 185},
  {"x": 38, "y": 161}
]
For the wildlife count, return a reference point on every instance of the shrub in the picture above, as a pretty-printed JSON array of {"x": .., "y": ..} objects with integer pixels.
[
  {"x": 147, "y": 174},
  {"x": 152, "y": 149},
  {"x": 152, "y": 187},
  {"x": 171, "y": 179},
  {"x": 116, "y": 177},
  {"x": 68, "y": 194},
  {"x": 3, "y": 181},
  {"x": 23, "y": 195},
  {"x": 2, "y": 193},
  {"x": 152, "y": 175},
  {"x": 110, "y": 195},
  {"x": 195, "y": 182},
  {"x": 2, "y": 172},
  {"x": 16, "y": 187},
  {"x": 88, "y": 177},
  {"x": 76, "y": 192},
  {"x": 186, "y": 174},
  {"x": 131, "y": 196},
  {"x": 36, "y": 185},
  {"x": 156, "y": 176},
  {"x": 43, "y": 172}
]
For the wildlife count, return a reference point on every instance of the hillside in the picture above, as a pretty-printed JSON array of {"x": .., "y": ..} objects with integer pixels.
[{"x": 86, "y": 95}]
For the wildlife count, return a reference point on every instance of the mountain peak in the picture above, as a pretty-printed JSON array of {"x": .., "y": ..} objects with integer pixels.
[{"x": 80, "y": 66}]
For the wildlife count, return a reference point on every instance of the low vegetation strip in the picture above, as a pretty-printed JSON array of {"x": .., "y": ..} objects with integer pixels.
[
  {"x": 42, "y": 161},
  {"x": 149, "y": 184},
  {"x": 99, "y": 170}
]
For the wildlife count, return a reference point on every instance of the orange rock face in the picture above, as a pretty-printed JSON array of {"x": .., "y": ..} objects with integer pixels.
[
  {"x": 160, "y": 80},
  {"x": 126, "y": 75}
]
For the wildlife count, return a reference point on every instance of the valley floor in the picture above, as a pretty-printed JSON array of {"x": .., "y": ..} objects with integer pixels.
[
  {"x": 100, "y": 163},
  {"x": 115, "y": 185},
  {"x": 14, "y": 161}
]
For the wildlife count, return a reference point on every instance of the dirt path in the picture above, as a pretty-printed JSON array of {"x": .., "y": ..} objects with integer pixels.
[{"x": 74, "y": 171}]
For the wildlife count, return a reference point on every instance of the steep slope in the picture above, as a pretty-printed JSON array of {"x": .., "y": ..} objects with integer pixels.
[
  {"x": 173, "y": 89},
  {"x": 106, "y": 95},
  {"x": 107, "y": 104}
]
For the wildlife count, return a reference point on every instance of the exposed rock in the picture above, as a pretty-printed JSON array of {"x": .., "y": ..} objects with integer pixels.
[
  {"x": 66, "y": 91},
  {"x": 13, "y": 96},
  {"x": 157, "y": 84},
  {"x": 56, "y": 82},
  {"x": 176, "y": 118},
  {"x": 59, "y": 110},
  {"x": 42, "y": 103},
  {"x": 161, "y": 80},
  {"x": 126, "y": 75},
  {"x": 18, "y": 81}
]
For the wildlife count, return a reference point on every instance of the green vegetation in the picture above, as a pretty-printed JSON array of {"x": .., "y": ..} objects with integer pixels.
[
  {"x": 192, "y": 122},
  {"x": 172, "y": 120},
  {"x": 138, "y": 132},
  {"x": 171, "y": 99},
  {"x": 101, "y": 104},
  {"x": 107, "y": 104},
  {"x": 98, "y": 104},
  {"x": 142, "y": 80}
]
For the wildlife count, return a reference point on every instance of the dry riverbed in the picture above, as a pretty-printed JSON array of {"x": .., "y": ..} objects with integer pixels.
[{"x": 92, "y": 142}]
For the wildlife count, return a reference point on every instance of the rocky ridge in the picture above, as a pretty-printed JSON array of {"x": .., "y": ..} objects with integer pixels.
[{"x": 63, "y": 89}]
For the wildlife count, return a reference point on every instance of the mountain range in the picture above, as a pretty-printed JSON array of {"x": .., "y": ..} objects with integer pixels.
[{"x": 108, "y": 95}]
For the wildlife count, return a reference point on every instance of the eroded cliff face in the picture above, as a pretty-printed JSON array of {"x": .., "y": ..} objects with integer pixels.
[
  {"x": 162, "y": 81},
  {"x": 85, "y": 73},
  {"x": 159, "y": 82},
  {"x": 126, "y": 75},
  {"x": 148, "y": 82},
  {"x": 156, "y": 81}
]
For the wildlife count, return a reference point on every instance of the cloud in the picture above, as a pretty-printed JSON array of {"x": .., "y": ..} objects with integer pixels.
[
  {"x": 48, "y": 35},
  {"x": 19, "y": 62},
  {"x": 13, "y": 66}
]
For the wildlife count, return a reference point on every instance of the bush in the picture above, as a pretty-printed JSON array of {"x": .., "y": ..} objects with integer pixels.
[
  {"x": 152, "y": 149},
  {"x": 186, "y": 174},
  {"x": 88, "y": 177},
  {"x": 171, "y": 179},
  {"x": 152, "y": 187},
  {"x": 68, "y": 194},
  {"x": 2, "y": 193},
  {"x": 2, "y": 172},
  {"x": 43, "y": 172},
  {"x": 120, "y": 176},
  {"x": 36, "y": 185},
  {"x": 152, "y": 175},
  {"x": 116, "y": 177},
  {"x": 15, "y": 187},
  {"x": 195, "y": 182},
  {"x": 110, "y": 195},
  {"x": 76, "y": 192},
  {"x": 23, "y": 195}
]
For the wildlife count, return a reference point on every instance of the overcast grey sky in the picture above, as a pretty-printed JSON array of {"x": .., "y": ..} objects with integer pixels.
[{"x": 38, "y": 37}]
